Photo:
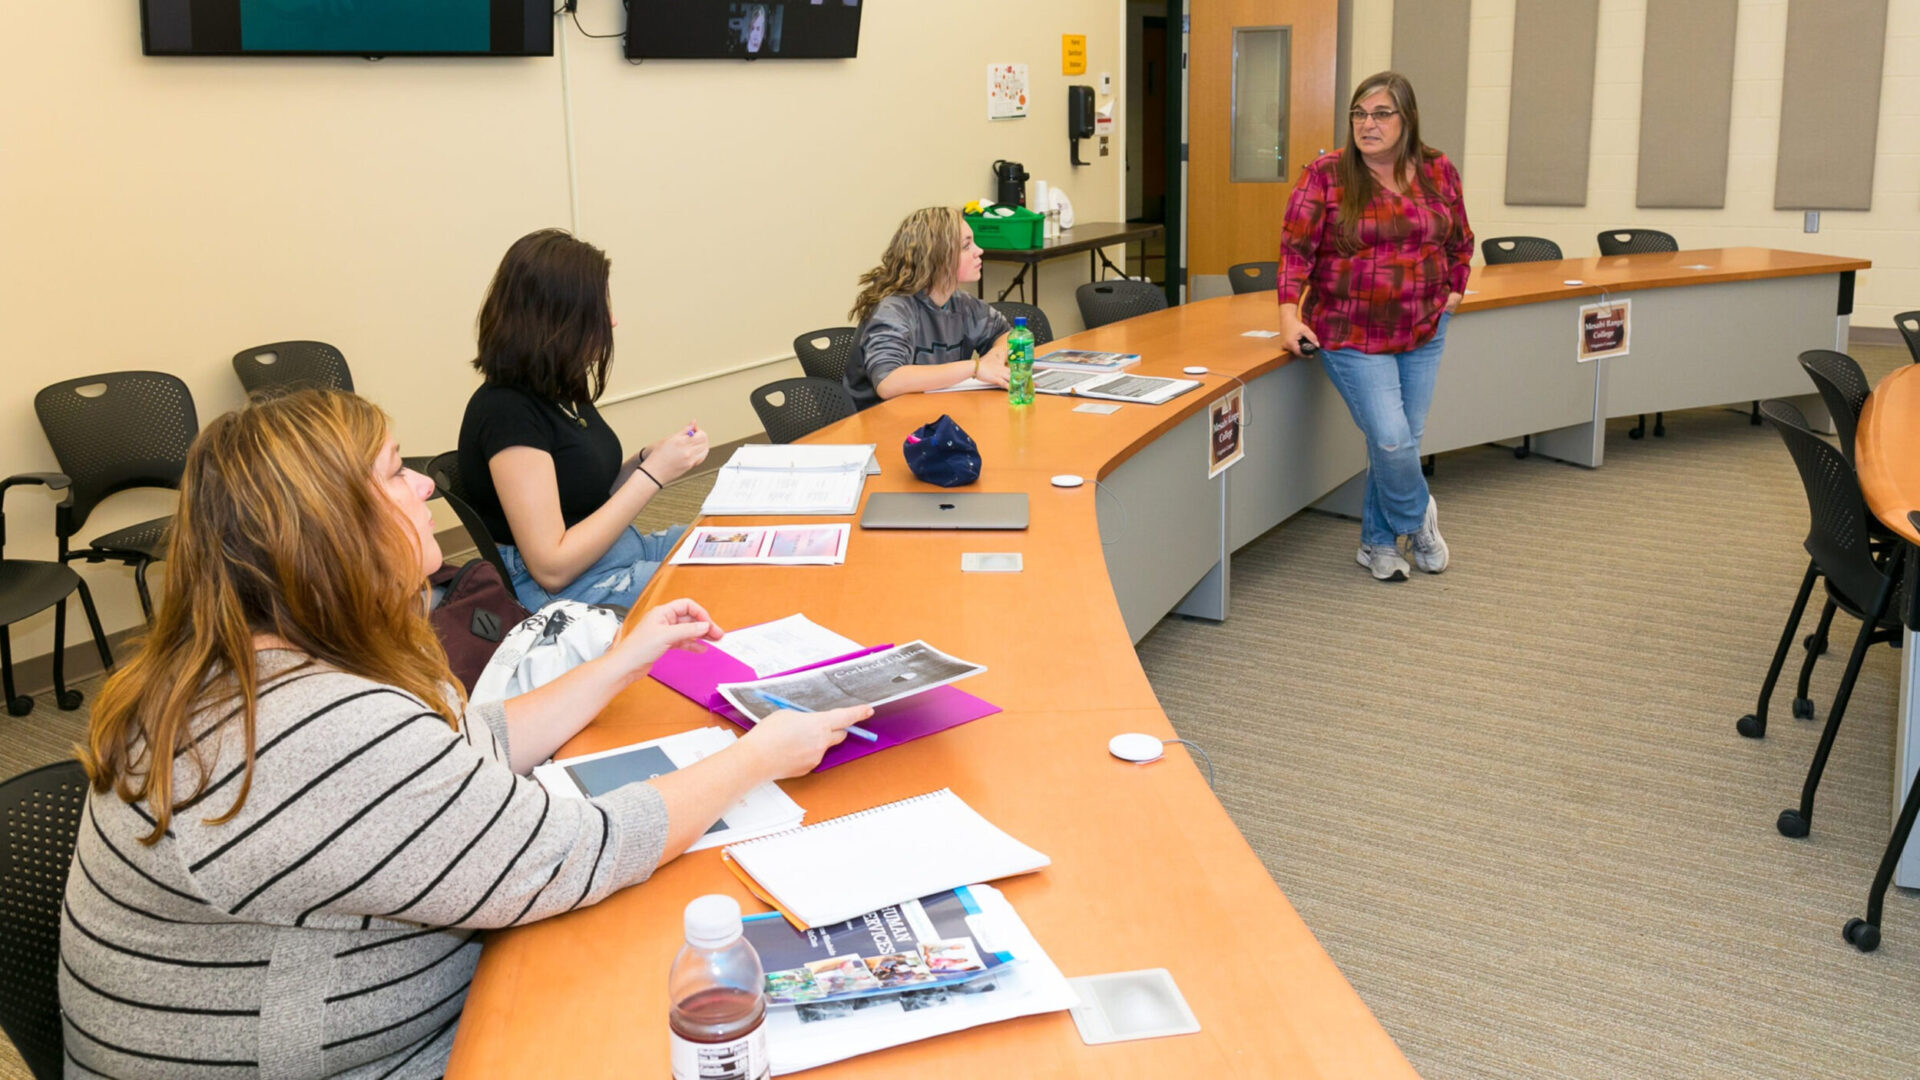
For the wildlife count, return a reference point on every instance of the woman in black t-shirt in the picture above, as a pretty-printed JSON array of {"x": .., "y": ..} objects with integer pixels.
[{"x": 542, "y": 469}]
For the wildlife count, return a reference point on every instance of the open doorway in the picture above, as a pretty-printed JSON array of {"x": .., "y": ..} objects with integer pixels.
[{"x": 1153, "y": 126}]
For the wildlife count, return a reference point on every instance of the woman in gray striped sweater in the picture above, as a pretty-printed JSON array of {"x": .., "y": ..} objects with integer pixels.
[{"x": 295, "y": 836}]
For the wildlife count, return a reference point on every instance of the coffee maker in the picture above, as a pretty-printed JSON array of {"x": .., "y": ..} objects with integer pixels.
[{"x": 1011, "y": 187}]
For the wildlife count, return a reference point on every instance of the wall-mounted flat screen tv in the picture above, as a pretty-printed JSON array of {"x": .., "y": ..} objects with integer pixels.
[
  {"x": 733, "y": 29},
  {"x": 347, "y": 27}
]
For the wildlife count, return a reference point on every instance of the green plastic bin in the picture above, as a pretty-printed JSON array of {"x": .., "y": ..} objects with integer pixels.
[{"x": 1007, "y": 228}]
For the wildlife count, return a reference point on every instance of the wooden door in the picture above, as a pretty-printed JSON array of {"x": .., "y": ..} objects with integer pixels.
[{"x": 1233, "y": 220}]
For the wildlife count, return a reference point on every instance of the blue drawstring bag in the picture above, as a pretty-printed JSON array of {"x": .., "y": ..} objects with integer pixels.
[{"x": 941, "y": 453}]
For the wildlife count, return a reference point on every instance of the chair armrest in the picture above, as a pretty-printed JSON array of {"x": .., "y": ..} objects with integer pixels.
[{"x": 54, "y": 480}]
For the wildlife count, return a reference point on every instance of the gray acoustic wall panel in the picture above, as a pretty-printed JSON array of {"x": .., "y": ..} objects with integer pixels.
[
  {"x": 1430, "y": 49},
  {"x": 1830, "y": 104},
  {"x": 1550, "y": 111},
  {"x": 1686, "y": 103}
]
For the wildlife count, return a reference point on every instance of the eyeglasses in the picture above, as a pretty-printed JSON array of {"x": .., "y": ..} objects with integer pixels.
[{"x": 1378, "y": 116}]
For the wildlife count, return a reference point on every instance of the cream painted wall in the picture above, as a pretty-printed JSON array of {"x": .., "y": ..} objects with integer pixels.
[
  {"x": 1889, "y": 234},
  {"x": 164, "y": 213}
]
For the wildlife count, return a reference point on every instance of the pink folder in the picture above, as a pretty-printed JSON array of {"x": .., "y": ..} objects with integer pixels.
[{"x": 695, "y": 675}]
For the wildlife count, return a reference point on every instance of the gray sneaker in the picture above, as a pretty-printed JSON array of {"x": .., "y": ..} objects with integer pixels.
[
  {"x": 1429, "y": 551},
  {"x": 1384, "y": 560}
]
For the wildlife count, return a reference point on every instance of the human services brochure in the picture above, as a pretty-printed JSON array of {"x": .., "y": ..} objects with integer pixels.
[{"x": 919, "y": 945}]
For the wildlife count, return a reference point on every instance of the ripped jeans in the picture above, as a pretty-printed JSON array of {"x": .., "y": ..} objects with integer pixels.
[
  {"x": 1388, "y": 395},
  {"x": 616, "y": 579}
]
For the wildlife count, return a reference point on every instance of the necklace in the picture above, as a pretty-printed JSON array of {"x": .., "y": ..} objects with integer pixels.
[{"x": 572, "y": 414}]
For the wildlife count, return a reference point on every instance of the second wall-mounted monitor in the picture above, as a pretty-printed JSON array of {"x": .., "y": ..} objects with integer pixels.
[
  {"x": 733, "y": 29},
  {"x": 347, "y": 27}
]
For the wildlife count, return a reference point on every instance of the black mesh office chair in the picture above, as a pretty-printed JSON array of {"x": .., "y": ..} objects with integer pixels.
[
  {"x": 1036, "y": 319},
  {"x": 40, "y": 815},
  {"x": 1103, "y": 302},
  {"x": 1864, "y": 934},
  {"x": 444, "y": 471},
  {"x": 1501, "y": 250},
  {"x": 1908, "y": 323},
  {"x": 31, "y": 586},
  {"x": 292, "y": 365},
  {"x": 1843, "y": 388},
  {"x": 1253, "y": 277},
  {"x": 1635, "y": 241},
  {"x": 824, "y": 353},
  {"x": 1837, "y": 540},
  {"x": 110, "y": 433},
  {"x": 792, "y": 408}
]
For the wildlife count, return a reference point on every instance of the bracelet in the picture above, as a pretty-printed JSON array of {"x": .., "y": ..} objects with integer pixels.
[
  {"x": 976, "y": 367},
  {"x": 642, "y": 470}
]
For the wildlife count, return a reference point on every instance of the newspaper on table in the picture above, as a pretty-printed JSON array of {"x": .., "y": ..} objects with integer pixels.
[
  {"x": 803, "y": 1036},
  {"x": 874, "y": 679}
]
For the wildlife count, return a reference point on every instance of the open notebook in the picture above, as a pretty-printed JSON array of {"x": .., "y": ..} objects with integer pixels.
[{"x": 837, "y": 869}]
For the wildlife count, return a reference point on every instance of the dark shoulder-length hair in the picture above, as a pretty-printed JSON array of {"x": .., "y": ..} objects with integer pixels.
[
  {"x": 1357, "y": 185},
  {"x": 546, "y": 327}
]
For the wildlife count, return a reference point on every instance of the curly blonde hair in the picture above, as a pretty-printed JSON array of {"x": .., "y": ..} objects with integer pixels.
[{"x": 922, "y": 255}]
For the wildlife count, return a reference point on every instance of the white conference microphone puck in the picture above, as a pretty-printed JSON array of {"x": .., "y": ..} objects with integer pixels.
[
  {"x": 1067, "y": 480},
  {"x": 1195, "y": 369},
  {"x": 1573, "y": 281},
  {"x": 1136, "y": 747}
]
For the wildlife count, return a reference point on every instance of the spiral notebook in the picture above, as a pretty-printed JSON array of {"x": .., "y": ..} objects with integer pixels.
[{"x": 848, "y": 866}]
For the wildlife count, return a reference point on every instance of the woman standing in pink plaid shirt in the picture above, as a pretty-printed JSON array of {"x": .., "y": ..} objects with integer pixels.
[{"x": 1377, "y": 242}]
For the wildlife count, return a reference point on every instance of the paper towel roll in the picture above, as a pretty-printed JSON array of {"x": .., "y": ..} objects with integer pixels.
[{"x": 1040, "y": 196}]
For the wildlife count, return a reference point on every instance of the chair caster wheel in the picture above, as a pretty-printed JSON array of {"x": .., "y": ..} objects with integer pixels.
[
  {"x": 1814, "y": 645},
  {"x": 1792, "y": 825},
  {"x": 69, "y": 701},
  {"x": 19, "y": 706},
  {"x": 1802, "y": 708},
  {"x": 1521, "y": 453},
  {"x": 1635, "y": 433},
  {"x": 1752, "y": 727},
  {"x": 1862, "y": 935}
]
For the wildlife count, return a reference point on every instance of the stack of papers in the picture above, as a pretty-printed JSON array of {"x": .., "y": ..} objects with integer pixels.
[
  {"x": 1085, "y": 360},
  {"x": 792, "y": 479},
  {"x": 765, "y": 809},
  {"x": 806, "y": 1035},
  {"x": 769, "y": 545}
]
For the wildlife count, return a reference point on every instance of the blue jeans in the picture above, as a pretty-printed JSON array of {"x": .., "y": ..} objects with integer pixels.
[
  {"x": 616, "y": 579},
  {"x": 1388, "y": 395}
]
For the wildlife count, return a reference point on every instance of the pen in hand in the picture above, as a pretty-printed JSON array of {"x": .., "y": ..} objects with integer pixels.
[{"x": 782, "y": 703}]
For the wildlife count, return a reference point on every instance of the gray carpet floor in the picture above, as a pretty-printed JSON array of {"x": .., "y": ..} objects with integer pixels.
[{"x": 1509, "y": 799}]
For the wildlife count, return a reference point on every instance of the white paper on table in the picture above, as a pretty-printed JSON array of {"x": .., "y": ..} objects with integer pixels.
[
  {"x": 763, "y": 810},
  {"x": 784, "y": 644},
  {"x": 967, "y": 384},
  {"x": 805, "y": 1036},
  {"x": 768, "y": 491},
  {"x": 1261, "y": 333},
  {"x": 806, "y": 456}
]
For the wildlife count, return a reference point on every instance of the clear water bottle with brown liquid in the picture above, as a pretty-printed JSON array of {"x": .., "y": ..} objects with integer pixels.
[{"x": 718, "y": 990}]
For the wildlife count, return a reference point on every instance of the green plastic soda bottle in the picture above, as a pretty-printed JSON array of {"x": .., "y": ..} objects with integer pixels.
[{"x": 1020, "y": 363}]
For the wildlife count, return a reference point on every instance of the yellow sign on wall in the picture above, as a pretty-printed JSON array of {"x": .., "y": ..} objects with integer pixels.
[{"x": 1073, "y": 54}]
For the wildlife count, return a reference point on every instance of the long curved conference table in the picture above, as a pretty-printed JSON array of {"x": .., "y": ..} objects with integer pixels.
[{"x": 1148, "y": 870}]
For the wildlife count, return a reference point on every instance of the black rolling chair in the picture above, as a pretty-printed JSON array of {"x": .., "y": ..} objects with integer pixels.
[
  {"x": 1253, "y": 277},
  {"x": 1843, "y": 388},
  {"x": 41, "y": 813},
  {"x": 1837, "y": 540},
  {"x": 1103, "y": 302},
  {"x": 110, "y": 433},
  {"x": 30, "y": 586},
  {"x": 824, "y": 353},
  {"x": 1036, "y": 319},
  {"x": 792, "y": 408},
  {"x": 1635, "y": 241},
  {"x": 444, "y": 471},
  {"x": 1864, "y": 934},
  {"x": 1908, "y": 323},
  {"x": 292, "y": 365},
  {"x": 1501, "y": 250}
]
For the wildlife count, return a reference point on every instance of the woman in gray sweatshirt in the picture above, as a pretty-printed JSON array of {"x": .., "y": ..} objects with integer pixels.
[{"x": 296, "y": 830}]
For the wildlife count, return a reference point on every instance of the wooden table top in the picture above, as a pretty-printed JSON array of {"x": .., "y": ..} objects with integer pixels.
[
  {"x": 1527, "y": 283},
  {"x": 1082, "y": 237},
  {"x": 1887, "y": 450},
  {"x": 1148, "y": 870}
]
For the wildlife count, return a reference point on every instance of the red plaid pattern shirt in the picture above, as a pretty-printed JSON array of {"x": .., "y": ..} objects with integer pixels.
[{"x": 1387, "y": 296}]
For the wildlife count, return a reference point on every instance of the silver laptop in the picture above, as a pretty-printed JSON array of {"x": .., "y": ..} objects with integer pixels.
[{"x": 944, "y": 510}]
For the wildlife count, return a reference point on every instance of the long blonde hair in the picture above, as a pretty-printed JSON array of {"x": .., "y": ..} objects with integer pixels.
[
  {"x": 923, "y": 253},
  {"x": 280, "y": 530}
]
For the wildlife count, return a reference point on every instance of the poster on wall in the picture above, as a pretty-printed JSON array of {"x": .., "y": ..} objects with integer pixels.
[
  {"x": 1603, "y": 329},
  {"x": 1006, "y": 91},
  {"x": 1226, "y": 421}
]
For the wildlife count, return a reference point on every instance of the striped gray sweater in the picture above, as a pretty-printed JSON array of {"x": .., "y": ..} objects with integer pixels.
[{"x": 330, "y": 928}]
